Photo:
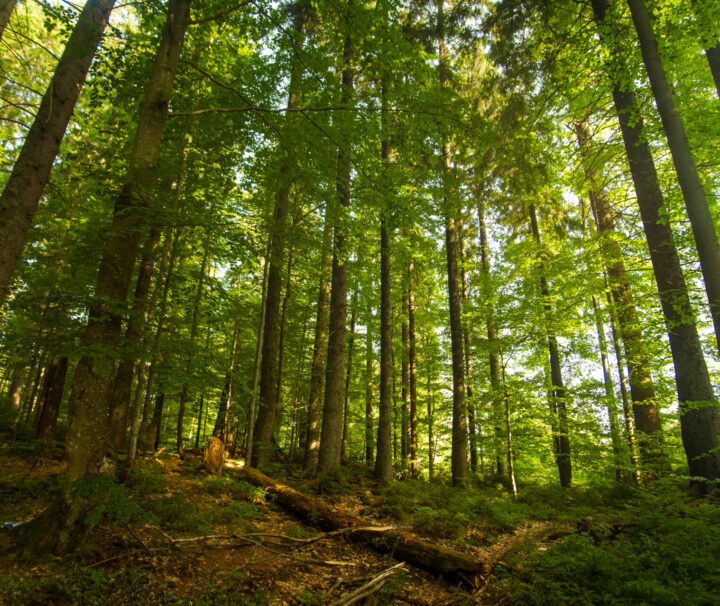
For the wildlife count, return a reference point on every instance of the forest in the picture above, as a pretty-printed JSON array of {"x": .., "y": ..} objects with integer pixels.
[{"x": 359, "y": 301}]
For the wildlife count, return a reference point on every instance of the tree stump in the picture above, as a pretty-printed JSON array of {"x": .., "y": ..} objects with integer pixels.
[{"x": 214, "y": 455}]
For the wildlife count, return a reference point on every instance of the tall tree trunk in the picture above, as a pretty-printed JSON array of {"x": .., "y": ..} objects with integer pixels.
[
  {"x": 497, "y": 401},
  {"x": 405, "y": 389},
  {"x": 369, "y": 450},
  {"x": 331, "y": 431},
  {"x": 200, "y": 420},
  {"x": 557, "y": 395},
  {"x": 508, "y": 434},
  {"x": 88, "y": 423},
  {"x": 281, "y": 341},
  {"x": 698, "y": 211},
  {"x": 348, "y": 375},
  {"x": 468, "y": 363},
  {"x": 250, "y": 438},
  {"x": 16, "y": 389},
  {"x": 699, "y": 419},
  {"x": 221, "y": 421},
  {"x": 430, "y": 417},
  {"x": 51, "y": 397},
  {"x": 384, "y": 458},
  {"x": 190, "y": 355},
  {"x": 295, "y": 437},
  {"x": 21, "y": 196},
  {"x": 459, "y": 463},
  {"x": 268, "y": 401},
  {"x": 312, "y": 435},
  {"x": 615, "y": 437},
  {"x": 6, "y": 9},
  {"x": 168, "y": 260},
  {"x": 642, "y": 391},
  {"x": 412, "y": 363},
  {"x": 627, "y": 415}
]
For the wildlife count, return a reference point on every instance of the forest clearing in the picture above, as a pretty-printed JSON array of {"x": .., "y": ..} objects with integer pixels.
[{"x": 338, "y": 302}]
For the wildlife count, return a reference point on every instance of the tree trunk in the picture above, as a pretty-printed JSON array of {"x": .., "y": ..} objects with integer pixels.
[
  {"x": 312, "y": 435},
  {"x": 698, "y": 211},
  {"x": 615, "y": 437},
  {"x": 21, "y": 196},
  {"x": 281, "y": 343},
  {"x": 348, "y": 376},
  {"x": 430, "y": 419},
  {"x": 169, "y": 258},
  {"x": 6, "y": 9},
  {"x": 405, "y": 390},
  {"x": 268, "y": 401},
  {"x": 383, "y": 460},
  {"x": 557, "y": 395},
  {"x": 627, "y": 415},
  {"x": 699, "y": 420},
  {"x": 412, "y": 362},
  {"x": 89, "y": 406},
  {"x": 438, "y": 559},
  {"x": 459, "y": 463},
  {"x": 51, "y": 397},
  {"x": 221, "y": 421},
  {"x": 497, "y": 401},
  {"x": 468, "y": 363},
  {"x": 369, "y": 450},
  {"x": 331, "y": 431},
  {"x": 16, "y": 389},
  {"x": 200, "y": 419},
  {"x": 642, "y": 391},
  {"x": 250, "y": 438},
  {"x": 179, "y": 438},
  {"x": 508, "y": 434}
]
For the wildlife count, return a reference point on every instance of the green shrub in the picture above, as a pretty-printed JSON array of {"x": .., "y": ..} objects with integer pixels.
[{"x": 176, "y": 512}]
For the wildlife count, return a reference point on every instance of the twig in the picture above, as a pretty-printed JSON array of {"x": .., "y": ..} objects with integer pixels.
[
  {"x": 368, "y": 588},
  {"x": 137, "y": 538}
]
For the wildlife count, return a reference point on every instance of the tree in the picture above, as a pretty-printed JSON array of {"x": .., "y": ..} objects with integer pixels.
[
  {"x": 21, "y": 196},
  {"x": 693, "y": 191}
]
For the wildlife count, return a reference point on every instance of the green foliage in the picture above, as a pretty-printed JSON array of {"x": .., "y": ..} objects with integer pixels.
[
  {"x": 312, "y": 598},
  {"x": 668, "y": 556},
  {"x": 239, "y": 513},
  {"x": 177, "y": 512},
  {"x": 109, "y": 499},
  {"x": 237, "y": 489}
]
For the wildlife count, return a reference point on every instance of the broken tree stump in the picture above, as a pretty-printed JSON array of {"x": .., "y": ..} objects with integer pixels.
[
  {"x": 214, "y": 455},
  {"x": 452, "y": 564}
]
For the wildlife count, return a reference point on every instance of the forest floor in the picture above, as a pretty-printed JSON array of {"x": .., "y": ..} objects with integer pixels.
[{"x": 176, "y": 535}]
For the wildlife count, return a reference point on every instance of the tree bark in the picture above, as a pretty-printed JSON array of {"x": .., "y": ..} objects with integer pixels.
[
  {"x": 699, "y": 419},
  {"x": 642, "y": 390},
  {"x": 468, "y": 363},
  {"x": 331, "y": 431},
  {"x": 412, "y": 362},
  {"x": 369, "y": 450},
  {"x": 250, "y": 438},
  {"x": 557, "y": 395},
  {"x": 51, "y": 397},
  {"x": 21, "y": 196},
  {"x": 454, "y": 565},
  {"x": 384, "y": 458},
  {"x": 6, "y": 9},
  {"x": 405, "y": 390},
  {"x": 88, "y": 423},
  {"x": 179, "y": 438},
  {"x": 497, "y": 406},
  {"x": 268, "y": 401},
  {"x": 615, "y": 438},
  {"x": 312, "y": 436},
  {"x": 696, "y": 204},
  {"x": 221, "y": 421},
  {"x": 348, "y": 376}
]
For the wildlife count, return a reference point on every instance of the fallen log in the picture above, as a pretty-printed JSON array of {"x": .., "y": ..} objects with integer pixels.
[{"x": 452, "y": 564}]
